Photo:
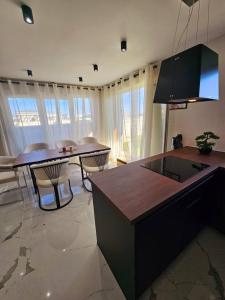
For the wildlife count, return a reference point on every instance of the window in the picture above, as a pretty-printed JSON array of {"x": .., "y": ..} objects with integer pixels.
[
  {"x": 24, "y": 111},
  {"x": 50, "y": 107},
  {"x": 82, "y": 108},
  {"x": 132, "y": 106},
  {"x": 64, "y": 112}
]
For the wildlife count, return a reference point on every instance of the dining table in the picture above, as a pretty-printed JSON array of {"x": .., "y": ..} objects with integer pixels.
[{"x": 46, "y": 155}]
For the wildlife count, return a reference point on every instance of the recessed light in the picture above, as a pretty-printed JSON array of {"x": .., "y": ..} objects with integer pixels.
[
  {"x": 123, "y": 45},
  {"x": 95, "y": 67},
  {"x": 27, "y": 14},
  {"x": 29, "y": 73}
]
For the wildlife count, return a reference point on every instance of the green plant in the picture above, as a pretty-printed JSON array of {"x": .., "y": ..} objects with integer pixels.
[{"x": 205, "y": 141}]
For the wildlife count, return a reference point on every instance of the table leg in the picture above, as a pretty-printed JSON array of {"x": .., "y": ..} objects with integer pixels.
[{"x": 34, "y": 181}]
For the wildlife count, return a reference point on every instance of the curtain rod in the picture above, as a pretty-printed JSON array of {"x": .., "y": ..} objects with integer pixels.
[
  {"x": 61, "y": 85},
  {"x": 43, "y": 83},
  {"x": 126, "y": 78}
]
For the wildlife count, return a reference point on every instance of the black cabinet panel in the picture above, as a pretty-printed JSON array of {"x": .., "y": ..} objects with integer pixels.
[
  {"x": 164, "y": 234},
  {"x": 115, "y": 238},
  {"x": 158, "y": 241},
  {"x": 217, "y": 207}
]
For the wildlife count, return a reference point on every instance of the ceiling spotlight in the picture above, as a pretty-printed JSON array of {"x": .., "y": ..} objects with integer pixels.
[
  {"x": 80, "y": 79},
  {"x": 123, "y": 45},
  {"x": 27, "y": 14},
  {"x": 95, "y": 67},
  {"x": 29, "y": 73}
]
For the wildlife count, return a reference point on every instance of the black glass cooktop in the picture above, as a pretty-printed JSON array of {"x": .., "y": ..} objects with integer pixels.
[{"x": 176, "y": 168}]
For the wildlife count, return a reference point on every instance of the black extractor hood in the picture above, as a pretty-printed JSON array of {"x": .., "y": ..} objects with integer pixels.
[{"x": 189, "y": 76}]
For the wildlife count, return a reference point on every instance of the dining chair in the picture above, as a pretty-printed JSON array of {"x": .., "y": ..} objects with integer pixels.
[
  {"x": 35, "y": 147},
  {"x": 52, "y": 174},
  {"x": 66, "y": 143},
  {"x": 9, "y": 174},
  {"x": 88, "y": 140},
  {"x": 92, "y": 163}
]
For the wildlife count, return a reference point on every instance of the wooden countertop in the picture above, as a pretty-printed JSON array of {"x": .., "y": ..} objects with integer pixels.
[{"x": 136, "y": 191}]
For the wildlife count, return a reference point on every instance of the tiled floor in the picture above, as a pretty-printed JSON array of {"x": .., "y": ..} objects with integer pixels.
[{"x": 53, "y": 255}]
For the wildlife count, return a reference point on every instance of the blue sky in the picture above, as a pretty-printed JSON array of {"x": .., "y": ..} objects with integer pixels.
[{"x": 30, "y": 104}]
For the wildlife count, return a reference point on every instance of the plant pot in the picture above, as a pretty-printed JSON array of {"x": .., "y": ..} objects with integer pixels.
[{"x": 205, "y": 150}]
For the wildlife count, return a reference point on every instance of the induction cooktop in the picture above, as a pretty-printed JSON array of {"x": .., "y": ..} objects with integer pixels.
[{"x": 176, "y": 168}]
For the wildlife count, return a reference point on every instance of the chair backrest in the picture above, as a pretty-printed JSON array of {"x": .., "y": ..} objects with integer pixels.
[
  {"x": 97, "y": 159},
  {"x": 88, "y": 140},
  {"x": 51, "y": 170},
  {"x": 5, "y": 160},
  {"x": 6, "y": 163},
  {"x": 65, "y": 143},
  {"x": 35, "y": 147}
]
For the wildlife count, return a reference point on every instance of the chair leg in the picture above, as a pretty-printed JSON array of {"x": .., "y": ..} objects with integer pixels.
[
  {"x": 39, "y": 199},
  {"x": 81, "y": 169},
  {"x": 84, "y": 185},
  {"x": 57, "y": 199},
  {"x": 19, "y": 186},
  {"x": 34, "y": 181},
  {"x": 24, "y": 178},
  {"x": 70, "y": 189}
]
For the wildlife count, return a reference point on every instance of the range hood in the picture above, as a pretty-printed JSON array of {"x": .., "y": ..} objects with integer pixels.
[{"x": 189, "y": 76}]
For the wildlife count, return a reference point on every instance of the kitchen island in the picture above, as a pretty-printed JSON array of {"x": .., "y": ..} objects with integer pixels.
[{"x": 144, "y": 220}]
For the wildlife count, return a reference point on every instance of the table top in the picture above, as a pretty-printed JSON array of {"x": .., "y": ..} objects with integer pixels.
[
  {"x": 136, "y": 191},
  {"x": 40, "y": 156}
]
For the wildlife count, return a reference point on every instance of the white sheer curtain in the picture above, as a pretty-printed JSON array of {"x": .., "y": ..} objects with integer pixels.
[
  {"x": 133, "y": 125},
  {"x": 42, "y": 113}
]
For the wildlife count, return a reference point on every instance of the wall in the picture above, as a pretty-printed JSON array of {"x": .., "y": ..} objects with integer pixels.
[{"x": 201, "y": 117}]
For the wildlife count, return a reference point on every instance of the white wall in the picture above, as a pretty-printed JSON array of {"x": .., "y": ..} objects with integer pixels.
[{"x": 199, "y": 117}]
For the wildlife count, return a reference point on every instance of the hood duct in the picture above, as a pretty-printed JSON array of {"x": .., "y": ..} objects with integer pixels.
[{"x": 189, "y": 76}]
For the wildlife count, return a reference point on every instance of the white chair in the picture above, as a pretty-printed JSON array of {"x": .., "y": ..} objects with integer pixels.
[
  {"x": 66, "y": 143},
  {"x": 35, "y": 147},
  {"x": 88, "y": 140},
  {"x": 52, "y": 174},
  {"x": 9, "y": 174},
  {"x": 92, "y": 163}
]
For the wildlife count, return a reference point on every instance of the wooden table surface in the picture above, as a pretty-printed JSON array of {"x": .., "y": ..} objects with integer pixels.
[
  {"x": 136, "y": 191},
  {"x": 41, "y": 156}
]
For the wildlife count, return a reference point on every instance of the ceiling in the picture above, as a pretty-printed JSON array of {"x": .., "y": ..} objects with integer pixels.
[{"x": 68, "y": 36}]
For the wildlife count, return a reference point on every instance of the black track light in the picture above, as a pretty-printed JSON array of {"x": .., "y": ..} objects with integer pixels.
[
  {"x": 95, "y": 67},
  {"x": 27, "y": 14},
  {"x": 81, "y": 79},
  {"x": 29, "y": 73},
  {"x": 123, "y": 45}
]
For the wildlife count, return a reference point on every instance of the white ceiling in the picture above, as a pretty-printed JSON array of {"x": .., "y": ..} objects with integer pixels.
[{"x": 68, "y": 36}]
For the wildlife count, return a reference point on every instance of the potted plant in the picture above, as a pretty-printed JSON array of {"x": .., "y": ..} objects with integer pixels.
[{"x": 205, "y": 142}]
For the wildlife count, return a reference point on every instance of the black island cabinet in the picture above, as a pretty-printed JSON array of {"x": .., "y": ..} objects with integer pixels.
[{"x": 138, "y": 252}]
